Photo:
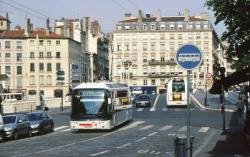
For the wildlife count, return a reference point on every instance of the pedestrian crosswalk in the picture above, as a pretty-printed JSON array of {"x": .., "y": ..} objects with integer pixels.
[
  {"x": 163, "y": 109},
  {"x": 144, "y": 126}
]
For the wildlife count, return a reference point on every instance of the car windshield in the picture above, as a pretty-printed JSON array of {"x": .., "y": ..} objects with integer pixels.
[
  {"x": 9, "y": 119},
  {"x": 34, "y": 116},
  {"x": 143, "y": 97},
  {"x": 178, "y": 87}
]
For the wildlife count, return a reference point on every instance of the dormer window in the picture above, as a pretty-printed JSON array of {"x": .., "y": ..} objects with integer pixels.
[
  {"x": 127, "y": 27},
  {"x": 180, "y": 26},
  {"x": 171, "y": 26},
  {"x": 119, "y": 27},
  {"x": 162, "y": 26},
  {"x": 153, "y": 27}
]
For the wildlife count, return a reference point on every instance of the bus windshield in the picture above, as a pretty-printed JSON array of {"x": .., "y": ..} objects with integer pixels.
[
  {"x": 92, "y": 102},
  {"x": 178, "y": 87}
]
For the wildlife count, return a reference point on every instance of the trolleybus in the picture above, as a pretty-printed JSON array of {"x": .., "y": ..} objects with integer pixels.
[
  {"x": 176, "y": 92},
  {"x": 100, "y": 106}
]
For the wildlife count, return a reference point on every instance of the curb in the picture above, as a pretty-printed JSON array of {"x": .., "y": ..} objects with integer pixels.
[{"x": 207, "y": 108}]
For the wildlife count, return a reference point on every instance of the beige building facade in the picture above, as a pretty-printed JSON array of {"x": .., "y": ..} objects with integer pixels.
[
  {"x": 144, "y": 48},
  {"x": 33, "y": 57}
]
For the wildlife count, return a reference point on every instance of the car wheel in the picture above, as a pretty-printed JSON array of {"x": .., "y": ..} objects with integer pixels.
[
  {"x": 52, "y": 128},
  {"x": 15, "y": 135},
  {"x": 1, "y": 138},
  {"x": 30, "y": 133}
]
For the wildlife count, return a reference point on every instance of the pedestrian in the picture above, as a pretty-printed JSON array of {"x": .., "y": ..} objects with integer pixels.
[{"x": 46, "y": 109}]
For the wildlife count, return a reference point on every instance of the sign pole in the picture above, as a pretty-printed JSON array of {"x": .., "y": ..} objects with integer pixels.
[{"x": 188, "y": 115}]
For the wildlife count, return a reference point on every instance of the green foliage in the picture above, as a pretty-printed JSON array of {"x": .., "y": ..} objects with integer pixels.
[{"x": 236, "y": 17}]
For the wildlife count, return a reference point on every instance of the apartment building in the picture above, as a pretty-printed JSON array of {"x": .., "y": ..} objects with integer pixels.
[
  {"x": 144, "y": 48},
  {"x": 33, "y": 57},
  {"x": 94, "y": 46}
]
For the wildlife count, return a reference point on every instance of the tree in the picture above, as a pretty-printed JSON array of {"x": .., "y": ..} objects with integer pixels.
[{"x": 236, "y": 17}]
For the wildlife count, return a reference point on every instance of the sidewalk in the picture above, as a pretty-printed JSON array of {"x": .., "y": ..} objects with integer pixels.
[{"x": 232, "y": 141}]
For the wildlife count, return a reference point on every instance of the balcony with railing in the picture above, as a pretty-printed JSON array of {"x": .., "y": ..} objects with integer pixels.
[
  {"x": 162, "y": 74},
  {"x": 166, "y": 62}
]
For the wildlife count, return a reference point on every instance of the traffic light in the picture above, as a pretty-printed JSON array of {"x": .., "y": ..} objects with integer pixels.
[{"x": 60, "y": 75}]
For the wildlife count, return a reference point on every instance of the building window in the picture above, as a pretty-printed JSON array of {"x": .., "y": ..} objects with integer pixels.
[
  {"x": 152, "y": 46},
  {"x": 58, "y": 55},
  {"x": 19, "y": 44},
  {"x": 41, "y": 55},
  {"x": 162, "y": 46},
  {"x": 119, "y": 48},
  {"x": 58, "y": 42},
  {"x": 162, "y": 81},
  {"x": 162, "y": 36},
  {"x": 144, "y": 46},
  {"x": 190, "y": 36},
  {"x": 49, "y": 54},
  {"x": 7, "y": 44},
  {"x": 162, "y": 26},
  {"x": 32, "y": 80},
  {"x": 7, "y": 70},
  {"x": 127, "y": 27},
  {"x": 127, "y": 47},
  {"x": 32, "y": 42},
  {"x": 40, "y": 42},
  {"x": 134, "y": 46},
  {"x": 49, "y": 67},
  {"x": 190, "y": 26},
  {"x": 153, "y": 27},
  {"x": 171, "y": 26},
  {"x": 41, "y": 80},
  {"x": 171, "y": 36},
  {"x": 145, "y": 82},
  {"x": 32, "y": 55},
  {"x": 119, "y": 27},
  {"x": 180, "y": 26},
  {"x": 198, "y": 36},
  {"x": 205, "y": 26},
  {"x": 172, "y": 46},
  {"x": 32, "y": 67},
  {"x": 49, "y": 80},
  {"x": 58, "y": 66},
  {"x": 145, "y": 60},
  {"x": 19, "y": 56},
  {"x": 41, "y": 66},
  {"x": 145, "y": 27},
  {"x": 153, "y": 82},
  {"x": 7, "y": 55},
  {"x": 179, "y": 36},
  {"x": 162, "y": 59},
  {"x": 48, "y": 42},
  {"x": 198, "y": 26},
  {"x": 205, "y": 35},
  {"x": 19, "y": 70}
]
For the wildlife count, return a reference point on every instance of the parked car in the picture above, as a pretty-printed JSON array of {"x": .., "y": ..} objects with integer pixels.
[
  {"x": 1, "y": 129},
  {"x": 16, "y": 125},
  {"x": 41, "y": 122},
  {"x": 143, "y": 100}
]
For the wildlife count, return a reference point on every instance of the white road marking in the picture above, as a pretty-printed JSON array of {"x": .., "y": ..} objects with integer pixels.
[
  {"x": 61, "y": 127},
  {"x": 205, "y": 143},
  {"x": 141, "y": 139},
  {"x": 167, "y": 127},
  {"x": 146, "y": 127},
  {"x": 184, "y": 128},
  {"x": 153, "y": 108},
  {"x": 133, "y": 125},
  {"x": 65, "y": 130},
  {"x": 152, "y": 133},
  {"x": 164, "y": 109},
  {"x": 103, "y": 152},
  {"x": 122, "y": 146},
  {"x": 204, "y": 129},
  {"x": 140, "y": 109}
]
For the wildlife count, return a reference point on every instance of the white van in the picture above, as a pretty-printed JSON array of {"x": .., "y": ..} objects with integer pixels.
[{"x": 1, "y": 129}]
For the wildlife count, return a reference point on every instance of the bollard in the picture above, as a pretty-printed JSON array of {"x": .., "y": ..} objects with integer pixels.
[{"x": 180, "y": 146}]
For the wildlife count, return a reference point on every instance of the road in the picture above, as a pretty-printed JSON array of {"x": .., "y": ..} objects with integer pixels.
[{"x": 151, "y": 133}]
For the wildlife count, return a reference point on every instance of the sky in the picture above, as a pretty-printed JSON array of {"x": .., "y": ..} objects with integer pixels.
[{"x": 107, "y": 12}]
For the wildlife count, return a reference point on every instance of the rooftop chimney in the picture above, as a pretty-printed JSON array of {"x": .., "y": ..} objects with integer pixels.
[
  {"x": 147, "y": 16},
  {"x": 27, "y": 27},
  {"x": 140, "y": 16},
  {"x": 186, "y": 15},
  {"x": 158, "y": 15}
]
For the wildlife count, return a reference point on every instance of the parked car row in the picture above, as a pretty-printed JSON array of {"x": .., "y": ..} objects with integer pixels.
[{"x": 13, "y": 126}]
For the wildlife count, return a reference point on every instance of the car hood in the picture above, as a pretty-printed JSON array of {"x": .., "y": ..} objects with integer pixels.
[
  {"x": 36, "y": 122},
  {"x": 9, "y": 126}
]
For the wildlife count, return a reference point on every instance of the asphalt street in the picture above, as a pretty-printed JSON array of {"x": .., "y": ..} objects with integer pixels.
[{"x": 151, "y": 133}]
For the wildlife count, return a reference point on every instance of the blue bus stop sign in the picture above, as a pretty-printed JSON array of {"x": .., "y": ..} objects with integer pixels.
[{"x": 188, "y": 56}]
